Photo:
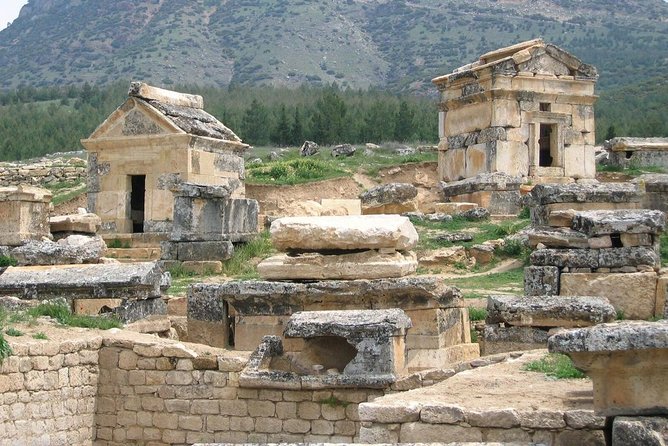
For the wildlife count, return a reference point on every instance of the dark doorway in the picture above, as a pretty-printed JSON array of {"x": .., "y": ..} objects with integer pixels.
[
  {"x": 545, "y": 145},
  {"x": 137, "y": 202}
]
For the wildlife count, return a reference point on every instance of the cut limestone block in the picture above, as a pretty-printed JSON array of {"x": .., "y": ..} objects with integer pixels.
[
  {"x": 541, "y": 280},
  {"x": 85, "y": 223},
  {"x": 633, "y": 431},
  {"x": 544, "y": 194},
  {"x": 593, "y": 223},
  {"x": 633, "y": 294},
  {"x": 627, "y": 361},
  {"x": 557, "y": 238},
  {"x": 422, "y": 359},
  {"x": 549, "y": 311},
  {"x": 100, "y": 281},
  {"x": 24, "y": 214},
  {"x": 596, "y": 258},
  {"x": 343, "y": 233},
  {"x": 358, "y": 265},
  {"x": 496, "y": 339}
]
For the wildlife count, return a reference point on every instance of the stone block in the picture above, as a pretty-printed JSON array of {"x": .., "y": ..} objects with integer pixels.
[
  {"x": 452, "y": 165},
  {"x": 549, "y": 311},
  {"x": 344, "y": 233},
  {"x": 633, "y": 240},
  {"x": 74, "y": 249},
  {"x": 505, "y": 113},
  {"x": 632, "y": 431},
  {"x": 332, "y": 206},
  {"x": 392, "y": 193},
  {"x": 315, "y": 266},
  {"x": 202, "y": 267},
  {"x": 497, "y": 339},
  {"x": 560, "y": 237},
  {"x": 594, "y": 223},
  {"x": 477, "y": 160},
  {"x": 541, "y": 280},
  {"x": 627, "y": 362},
  {"x": 571, "y": 258},
  {"x": 85, "y": 223},
  {"x": 424, "y": 359},
  {"x": 496, "y": 181},
  {"x": 470, "y": 118},
  {"x": 203, "y": 251},
  {"x": 111, "y": 281},
  {"x": 543, "y": 194},
  {"x": 634, "y": 294},
  {"x": 512, "y": 157},
  {"x": 24, "y": 214}
]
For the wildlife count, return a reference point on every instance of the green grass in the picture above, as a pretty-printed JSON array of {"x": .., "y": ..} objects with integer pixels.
[
  {"x": 295, "y": 171},
  {"x": 240, "y": 265},
  {"x": 7, "y": 261},
  {"x": 40, "y": 335},
  {"x": 477, "y": 314},
  {"x": 664, "y": 249},
  {"x": 11, "y": 331},
  {"x": 5, "y": 349},
  {"x": 62, "y": 313},
  {"x": 555, "y": 365},
  {"x": 512, "y": 278}
]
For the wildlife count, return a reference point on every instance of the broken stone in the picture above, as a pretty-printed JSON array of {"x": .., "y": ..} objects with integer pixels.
[
  {"x": 595, "y": 223},
  {"x": 595, "y": 258},
  {"x": 82, "y": 223},
  {"x": 557, "y": 238},
  {"x": 631, "y": 240},
  {"x": 475, "y": 214},
  {"x": 483, "y": 254},
  {"x": 285, "y": 298},
  {"x": 148, "y": 92},
  {"x": 75, "y": 249},
  {"x": 309, "y": 148},
  {"x": 543, "y": 194},
  {"x": 316, "y": 266},
  {"x": 626, "y": 361},
  {"x": 454, "y": 237},
  {"x": 541, "y": 280},
  {"x": 628, "y": 257},
  {"x": 549, "y": 311},
  {"x": 438, "y": 218},
  {"x": 343, "y": 233},
  {"x": 561, "y": 218},
  {"x": 111, "y": 281},
  {"x": 633, "y": 431},
  {"x": 392, "y": 193},
  {"x": 496, "y": 181},
  {"x": 343, "y": 150},
  {"x": 496, "y": 339},
  {"x": 133, "y": 310},
  {"x": 197, "y": 251},
  {"x": 445, "y": 256}
]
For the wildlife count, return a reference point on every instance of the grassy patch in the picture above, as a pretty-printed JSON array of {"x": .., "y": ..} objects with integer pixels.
[
  {"x": 664, "y": 249},
  {"x": 295, "y": 171},
  {"x": 555, "y": 365},
  {"x": 512, "y": 278},
  {"x": 477, "y": 314},
  {"x": 5, "y": 349},
  {"x": 240, "y": 265},
  {"x": 333, "y": 401},
  {"x": 481, "y": 231},
  {"x": 11, "y": 331},
  {"x": 62, "y": 313},
  {"x": 7, "y": 261},
  {"x": 40, "y": 335},
  {"x": 65, "y": 191}
]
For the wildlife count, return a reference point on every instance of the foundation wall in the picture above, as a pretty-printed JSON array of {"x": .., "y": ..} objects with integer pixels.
[{"x": 48, "y": 393}]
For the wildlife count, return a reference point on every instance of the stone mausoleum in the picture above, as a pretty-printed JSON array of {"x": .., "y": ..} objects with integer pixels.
[
  {"x": 526, "y": 110},
  {"x": 156, "y": 139}
]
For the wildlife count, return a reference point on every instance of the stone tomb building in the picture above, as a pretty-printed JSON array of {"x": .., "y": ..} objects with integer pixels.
[
  {"x": 525, "y": 110},
  {"x": 155, "y": 139}
]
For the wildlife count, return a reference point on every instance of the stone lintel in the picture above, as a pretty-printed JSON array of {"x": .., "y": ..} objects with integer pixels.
[
  {"x": 347, "y": 324},
  {"x": 543, "y": 194},
  {"x": 630, "y": 221}
]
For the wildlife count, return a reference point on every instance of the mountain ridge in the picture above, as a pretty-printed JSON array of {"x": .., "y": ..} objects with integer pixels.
[{"x": 392, "y": 44}]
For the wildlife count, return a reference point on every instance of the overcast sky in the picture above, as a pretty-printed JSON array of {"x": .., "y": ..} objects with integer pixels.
[{"x": 9, "y": 10}]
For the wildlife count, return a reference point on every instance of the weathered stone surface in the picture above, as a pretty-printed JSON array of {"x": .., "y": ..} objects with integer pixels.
[
  {"x": 343, "y": 150},
  {"x": 593, "y": 223},
  {"x": 122, "y": 280},
  {"x": 634, "y": 294},
  {"x": 549, "y": 311},
  {"x": 647, "y": 431},
  {"x": 475, "y": 214},
  {"x": 74, "y": 249},
  {"x": 445, "y": 256},
  {"x": 197, "y": 251},
  {"x": 483, "y": 254},
  {"x": 86, "y": 223},
  {"x": 24, "y": 214},
  {"x": 541, "y": 280},
  {"x": 496, "y": 181},
  {"x": 627, "y": 362},
  {"x": 543, "y": 194},
  {"x": 133, "y": 310},
  {"x": 358, "y": 265},
  {"x": 595, "y": 258},
  {"x": 282, "y": 298},
  {"x": 454, "y": 237},
  {"x": 392, "y": 193},
  {"x": 309, "y": 148},
  {"x": 557, "y": 238},
  {"x": 343, "y": 233},
  {"x": 498, "y": 339},
  {"x": 148, "y": 92},
  {"x": 634, "y": 256}
]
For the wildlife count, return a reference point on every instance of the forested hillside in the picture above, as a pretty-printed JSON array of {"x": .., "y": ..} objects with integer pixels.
[
  {"x": 34, "y": 121},
  {"x": 395, "y": 44}
]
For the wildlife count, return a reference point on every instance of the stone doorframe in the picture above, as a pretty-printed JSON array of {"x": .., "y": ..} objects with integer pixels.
[{"x": 559, "y": 121}]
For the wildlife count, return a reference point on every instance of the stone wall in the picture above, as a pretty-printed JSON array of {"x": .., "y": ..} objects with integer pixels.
[
  {"x": 155, "y": 391},
  {"x": 45, "y": 171},
  {"x": 48, "y": 392}
]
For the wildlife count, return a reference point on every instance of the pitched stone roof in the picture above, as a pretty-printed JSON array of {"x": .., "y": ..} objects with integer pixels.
[
  {"x": 183, "y": 110},
  {"x": 533, "y": 55}
]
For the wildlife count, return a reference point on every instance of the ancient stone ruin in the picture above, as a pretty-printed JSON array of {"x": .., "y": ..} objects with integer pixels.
[
  {"x": 525, "y": 110},
  {"x": 637, "y": 152},
  {"x": 156, "y": 138}
]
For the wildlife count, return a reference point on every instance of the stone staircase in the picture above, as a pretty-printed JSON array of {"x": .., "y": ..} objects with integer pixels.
[{"x": 130, "y": 248}]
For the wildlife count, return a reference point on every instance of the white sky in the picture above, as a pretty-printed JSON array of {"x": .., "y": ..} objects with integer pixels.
[{"x": 9, "y": 10}]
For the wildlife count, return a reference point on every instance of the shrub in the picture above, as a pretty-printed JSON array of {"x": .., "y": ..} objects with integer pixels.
[
  {"x": 7, "y": 261},
  {"x": 555, "y": 365},
  {"x": 13, "y": 332},
  {"x": 477, "y": 314},
  {"x": 5, "y": 349},
  {"x": 61, "y": 313}
]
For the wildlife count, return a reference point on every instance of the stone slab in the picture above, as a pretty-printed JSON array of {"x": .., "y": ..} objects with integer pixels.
[
  {"x": 496, "y": 181},
  {"x": 86, "y": 223},
  {"x": 543, "y": 194},
  {"x": 100, "y": 281},
  {"x": 285, "y": 298},
  {"x": 74, "y": 249},
  {"x": 596, "y": 258},
  {"x": 343, "y": 233},
  {"x": 634, "y": 294},
  {"x": 557, "y": 238},
  {"x": 390, "y": 322},
  {"x": 392, "y": 193},
  {"x": 541, "y": 280},
  {"x": 593, "y": 223},
  {"x": 315, "y": 266},
  {"x": 496, "y": 339},
  {"x": 549, "y": 311}
]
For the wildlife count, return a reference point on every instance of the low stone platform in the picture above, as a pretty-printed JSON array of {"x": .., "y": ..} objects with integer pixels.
[
  {"x": 627, "y": 361},
  {"x": 349, "y": 266},
  {"x": 501, "y": 402}
]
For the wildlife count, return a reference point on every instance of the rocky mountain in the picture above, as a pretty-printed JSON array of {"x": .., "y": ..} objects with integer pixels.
[{"x": 400, "y": 44}]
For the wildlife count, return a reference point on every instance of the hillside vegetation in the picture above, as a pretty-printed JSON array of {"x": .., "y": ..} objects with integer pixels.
[
  {"x": 37, "y": 121},
  {"x": 396, "y": 44}
]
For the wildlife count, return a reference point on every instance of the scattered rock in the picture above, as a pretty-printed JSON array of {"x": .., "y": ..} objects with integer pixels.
[
  {"x": 309, "y": 148},
  {"x": 454, "y": 237},
  {"x": 343, "y": 150},
  {"x": 75, "y": 249},
  {"x": 474, "y": 214}
]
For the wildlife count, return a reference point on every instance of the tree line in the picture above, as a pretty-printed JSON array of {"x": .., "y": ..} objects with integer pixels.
[{"x": 38, "y": 121}]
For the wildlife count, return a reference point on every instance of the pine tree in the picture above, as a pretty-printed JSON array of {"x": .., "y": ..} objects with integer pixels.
[
  {"x": 329, "y": 123},
  {"x": 281, "y": 134},
  {"x": 297, "y": 133},
  {"x": 255, "y": 124},
  {"x": 403, "y": 127}
]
